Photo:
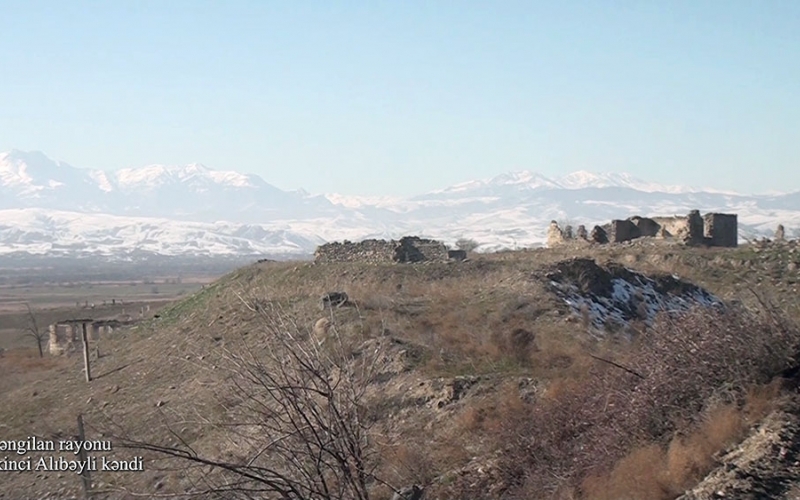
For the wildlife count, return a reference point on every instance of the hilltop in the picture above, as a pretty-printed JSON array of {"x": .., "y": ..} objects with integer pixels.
[{"x": 576, "y": 372}]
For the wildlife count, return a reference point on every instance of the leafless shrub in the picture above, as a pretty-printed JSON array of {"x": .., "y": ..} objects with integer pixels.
[
  {"x": 32, "y": 330},
  {"x": 294, "y": 419},
  {"x": 588, "y": 427}
]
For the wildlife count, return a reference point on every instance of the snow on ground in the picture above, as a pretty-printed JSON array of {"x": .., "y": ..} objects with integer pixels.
[{"x": 617, "y": 295}]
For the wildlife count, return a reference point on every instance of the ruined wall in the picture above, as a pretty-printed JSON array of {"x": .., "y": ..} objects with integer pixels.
[
  {"x": 457, "y": 254},
  {"x": 66, "y": 337},
  {"x": 676, "y": 226},
  {"x": 63, "y": 339},
  {"x": 415, "y": 249},
  {"x": 363, "y": 251},
  {"x": 645, "y": 226},
  {"x": 622, "y": 230},
  {"x": 696, "y": 229},
  {"x": 721, "y": 230},
  {"x": 555, "y": 236},
  {"x": 407, "y": 249},
  {"x": 713, "y": 229}
]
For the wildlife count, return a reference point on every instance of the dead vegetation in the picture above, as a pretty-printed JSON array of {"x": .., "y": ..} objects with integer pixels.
[{"x": 488, "y": 387}]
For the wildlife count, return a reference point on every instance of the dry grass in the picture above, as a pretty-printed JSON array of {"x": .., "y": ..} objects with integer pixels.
[
  {"x": 612, "y": 420},
  {"x": 657, "y": 472},
  {"x": 484, "y": 317},
  {"x": 25, "y": 361}
]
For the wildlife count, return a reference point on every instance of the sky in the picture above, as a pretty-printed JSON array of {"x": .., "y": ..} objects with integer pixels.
[{"x": 398, "y": 98}]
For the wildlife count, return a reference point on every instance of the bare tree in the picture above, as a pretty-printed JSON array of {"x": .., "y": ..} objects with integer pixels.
[
  {"x": 32, "y": 330},
  {"x": 295, "y": 414}
]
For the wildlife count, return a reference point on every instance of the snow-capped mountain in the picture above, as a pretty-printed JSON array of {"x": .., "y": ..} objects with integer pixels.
[
  {"x": 50, "y": 207},
  {"x": 191, "y": 192}
]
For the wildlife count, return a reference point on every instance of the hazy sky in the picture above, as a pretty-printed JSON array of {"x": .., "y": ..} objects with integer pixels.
[{"x": 400, "y": 97}]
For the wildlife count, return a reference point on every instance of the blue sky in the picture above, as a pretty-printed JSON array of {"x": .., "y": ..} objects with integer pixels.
[{"x": 403, "y": 97}]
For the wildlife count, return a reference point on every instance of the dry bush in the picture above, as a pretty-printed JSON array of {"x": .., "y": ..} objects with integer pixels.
[
  {"x": 25, "y": 360},
  {"x": 657, "y": 472},
  {"x": 294, "y": 421},
  {"x": 638, "y": 476},
  {"x": 689, "y": 458},
  {"x": 680, "y": 364},
  {"x": 417, "y": 460},
  {"x": 488, "y": 415}
]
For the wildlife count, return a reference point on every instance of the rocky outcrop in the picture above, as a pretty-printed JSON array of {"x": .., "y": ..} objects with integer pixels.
[
  {"x": 333, "y": 299},
  {"x": 411, "y": 493},
  {"x": 602, "y": 295},
  {"x": 765, "y": 465},
  {"x": 321, "y": 328}
]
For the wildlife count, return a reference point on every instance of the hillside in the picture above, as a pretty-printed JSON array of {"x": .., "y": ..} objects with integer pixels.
[{"x": 582, "y": 372}]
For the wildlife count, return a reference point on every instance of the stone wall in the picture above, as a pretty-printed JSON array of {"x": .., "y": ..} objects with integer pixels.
[
  {"x": 721, "y": 230},
  {"x": 713, "y": 229},
  {"x": 407, "y": 249},
  {"x": 555, "y": 236},
  {"x": 696, "y": 226},
  {"x": 676, "y": 226},
  {"x": 622, "y": 230},
  {"x": 457, "y": 254},
  {"x": 414, "y": 249},
  {"x": 645, "y": 226},
  {"x": 63, "y": 339},
  {"x": 362, "y": 251}
]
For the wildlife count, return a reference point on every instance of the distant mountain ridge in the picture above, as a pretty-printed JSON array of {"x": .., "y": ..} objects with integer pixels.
[
  {"x": 52, "y": 207},
  {"x": 190, "y": 192}
]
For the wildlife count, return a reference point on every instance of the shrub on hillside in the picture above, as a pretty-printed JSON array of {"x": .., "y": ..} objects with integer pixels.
[{"x": 676, "y": 369}]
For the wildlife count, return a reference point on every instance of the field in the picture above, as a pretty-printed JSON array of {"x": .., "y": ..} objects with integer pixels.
[
  {"x": 62, "y": 289},
  {"x": 473, "y": 379}
]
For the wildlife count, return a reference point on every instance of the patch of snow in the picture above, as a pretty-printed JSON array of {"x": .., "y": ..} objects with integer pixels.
[{"x": 630, "y": 300}]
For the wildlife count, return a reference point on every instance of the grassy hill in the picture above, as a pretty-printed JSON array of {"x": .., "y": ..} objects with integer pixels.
[{"x": 474, "y": 379}]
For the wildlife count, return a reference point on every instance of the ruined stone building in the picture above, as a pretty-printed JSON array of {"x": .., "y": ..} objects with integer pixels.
[
  {"x": 65, "y": 336},
  {"x": 712, "y": 229},
  {"x": 407, "y": 249}
]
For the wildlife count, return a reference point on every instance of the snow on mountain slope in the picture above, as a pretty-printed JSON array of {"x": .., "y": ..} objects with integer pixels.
[
  {"x": 40, "y": 231},
  {"x": 363, "y": 201},
  {"x": 51, "y": 207},
  {"x": 29, "y": 174},
  {"x": 583, "y": 179},
  {"x": 153, "y": 176},
  {"x": 190, "y": 192}
]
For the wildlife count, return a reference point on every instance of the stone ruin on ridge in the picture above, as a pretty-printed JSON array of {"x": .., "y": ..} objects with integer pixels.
[
  {"x": 712, "y": 229},
  {"x": 407, "y": 249}
]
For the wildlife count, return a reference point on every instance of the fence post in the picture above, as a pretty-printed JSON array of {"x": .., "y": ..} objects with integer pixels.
[{"x": 85, "y": 340}]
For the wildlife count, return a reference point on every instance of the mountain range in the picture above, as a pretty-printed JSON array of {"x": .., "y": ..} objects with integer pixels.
[{"x": 49, "y": 207}]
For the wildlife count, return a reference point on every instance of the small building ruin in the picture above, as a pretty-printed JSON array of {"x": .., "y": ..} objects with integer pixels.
[
  {"x": 65, "y": 336},
  {"x": 712, "y": 229},
  {"x": 406, "y": 250}
]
